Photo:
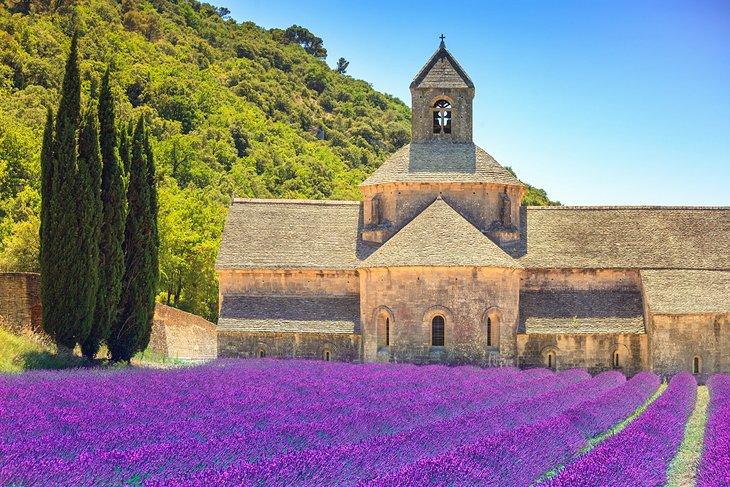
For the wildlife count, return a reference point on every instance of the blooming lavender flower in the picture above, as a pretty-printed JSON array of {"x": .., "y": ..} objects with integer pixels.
[
  {"x": 715, "y": 464},
  {"x": 640, "y": 454}
]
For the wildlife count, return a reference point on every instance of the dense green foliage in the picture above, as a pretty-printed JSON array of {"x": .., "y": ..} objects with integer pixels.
[
  {"x": 231, "y": 109},
  {"x": 88, "y": 228},
  {"x": 63, "y": 297},
  {"x": 114, "y": 202},
  {"x": 131, "y": 330}
]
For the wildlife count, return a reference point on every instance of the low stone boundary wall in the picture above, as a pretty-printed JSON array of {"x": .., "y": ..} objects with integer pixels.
[
  {"x": 20, "y": 302},
  {"x": 181, "y": 335}
]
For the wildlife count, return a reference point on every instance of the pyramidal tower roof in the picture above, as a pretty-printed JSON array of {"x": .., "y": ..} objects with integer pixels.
[
  {"x": 442, "y": 71},
  {"x": 440, "y": 237}
]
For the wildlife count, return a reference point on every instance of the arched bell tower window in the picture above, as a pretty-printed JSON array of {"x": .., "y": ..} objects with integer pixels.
[{"x": 441, "y": 117}]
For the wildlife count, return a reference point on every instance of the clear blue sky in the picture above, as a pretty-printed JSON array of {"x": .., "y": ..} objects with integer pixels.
[{"x": 599, "y": 102}]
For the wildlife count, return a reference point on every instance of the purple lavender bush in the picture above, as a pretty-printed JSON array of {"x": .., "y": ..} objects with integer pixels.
[
  {"x": 521, "y": 456},
  {"x": 640, "y": 454},
  {"x": 715, "y": 464},
  {"x": 354, "y": 463}
]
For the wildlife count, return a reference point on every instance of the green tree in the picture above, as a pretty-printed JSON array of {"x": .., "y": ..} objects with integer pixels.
[
  {"x": 59, "y": 298},
  {"x": 342, "y": 65},
  {"x": 88, "y": 226},
  {"x": 113, "y": 200},
  {"x": 47, "y": 157},
  {"x": 131, "y": 330}
]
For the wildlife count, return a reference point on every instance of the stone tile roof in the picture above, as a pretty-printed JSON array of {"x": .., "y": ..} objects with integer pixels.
[
  {"x": 625, "y": 237},
  {"x": 439, "y": 237},
  {"x": 441, "y": 162},
  {"x": 579, "y": 311},
  {"x": 442, "y": 71},
  {"x": 676, "y": 292},
  {"x": 290, "y": 314},
  {"x": 292, "y": 234}
]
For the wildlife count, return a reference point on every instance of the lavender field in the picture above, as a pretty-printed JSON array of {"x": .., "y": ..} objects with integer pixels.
[{"x": 278, "y": 422}]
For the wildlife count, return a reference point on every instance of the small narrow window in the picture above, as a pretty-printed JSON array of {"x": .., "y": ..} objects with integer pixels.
[
  {"x": 261, "y": 353},
  {"x": 387, "y": 332},
  {"x": 616, "y": 360},
  {"x": 327, "y": 355},
  {"x": 697, "y": 365},
  {"x": 489, "y": 332},
  {"x": 551, "y": 360},
  {"x": 375, "y": 210},
  {"x": 441, "y": 117},
  {"x": 437, "y": 331}
]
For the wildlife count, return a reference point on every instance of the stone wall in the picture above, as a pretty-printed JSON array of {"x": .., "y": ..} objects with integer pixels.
[
  {"x": 594, "y": 353},
  {"x": 422, "y": 101},
  {"x": 411, "y": 296},
  {"x": 299, "y": 282},
  {"x": 580, "y": 279},
  {"x": 479, "y": 203},
  {"x": 677, "y": 339},
  {"x": 341, "y": 347},
  {"x": 181, "y": 335},
  {"x": 20, "y": 301}
]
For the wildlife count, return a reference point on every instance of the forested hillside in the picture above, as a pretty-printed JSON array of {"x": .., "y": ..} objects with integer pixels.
[{"x": 233, "y": 109}]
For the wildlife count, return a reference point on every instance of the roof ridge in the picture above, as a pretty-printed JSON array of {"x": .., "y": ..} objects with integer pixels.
[
  {"x": 629, "y": 207},
  {"x": 267, "y": 201}
]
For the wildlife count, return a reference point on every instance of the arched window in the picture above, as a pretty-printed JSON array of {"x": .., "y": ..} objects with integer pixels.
[
  {"x": 441, "y": 117},
  {"x": 327, "y": 355},
  {"x": 550, "y": 360},
  {"x": 261, "y": 353},
  {"x": 387, "y": 332},
  {"x": 383, "y": 331},
  {"x": 697, "y": 365},
  {"x": 616, "y": 360},
  {"x": 437, "y": 331},
  {"x": 489, "y": 332}
]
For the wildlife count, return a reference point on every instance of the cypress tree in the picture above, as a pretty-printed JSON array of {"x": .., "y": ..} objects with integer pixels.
[
  {"x": 46, "y": 221},
  {"x": 88, "y": 226},
  {"x": 113, "y": 201},
  {"x": 130, "y": 332},
  {"x": 59, "y": 299},
  {"x": 154, "y": 243}
]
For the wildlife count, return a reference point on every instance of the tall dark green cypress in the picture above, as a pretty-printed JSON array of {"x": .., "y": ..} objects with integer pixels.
[
  {"x": 88, "y": 226},
  {"x": 59, "y": 299},
  {"x": 46, "y": 203},
  {"x": 130, "y": 332},
  {"x": 113, "y": 201},
  {"x": 154, "y": 244}
]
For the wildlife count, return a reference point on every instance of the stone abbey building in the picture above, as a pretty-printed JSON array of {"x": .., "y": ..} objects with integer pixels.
[{"x": 441, "y": 263}]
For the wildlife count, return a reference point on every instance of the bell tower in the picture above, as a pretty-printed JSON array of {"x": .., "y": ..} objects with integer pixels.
[{"x": 441, "y": 100}]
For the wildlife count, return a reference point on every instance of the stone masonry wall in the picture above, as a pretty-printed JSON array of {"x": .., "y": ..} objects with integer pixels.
[
  {"x": 20, "y": 301},
  {"x": 342, "y": 347},
  {"x": 309, "y": 282},
  {"x": 480, "y": 203},
  {"x": 676, "y": 340},
  {"x": 411, "y": 296},
  {"x": 591, "y": 352},
  {"x": 422, "y": 101},
  {"x": 177, "y": 334}
]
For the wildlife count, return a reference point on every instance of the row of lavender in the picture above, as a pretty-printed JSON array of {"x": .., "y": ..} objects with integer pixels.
[
  {"x": 715, "y": 465},
  {"x": 121, "y": 427},
  {"x": 267, "y": 422}
]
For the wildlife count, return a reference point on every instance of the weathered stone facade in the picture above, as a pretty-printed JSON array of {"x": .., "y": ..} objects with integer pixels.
[{"x": 440, "y": 263}]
